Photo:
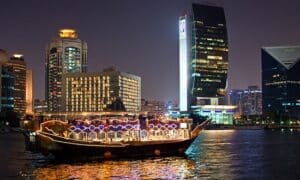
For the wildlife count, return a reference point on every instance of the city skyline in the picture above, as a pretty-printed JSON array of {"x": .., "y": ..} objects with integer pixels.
[{"x": 151, "y": 28}]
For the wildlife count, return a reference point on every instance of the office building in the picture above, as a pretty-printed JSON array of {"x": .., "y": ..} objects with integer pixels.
[
  {"x": 3, "y": 59},
  {"x": 252, "y": 101},
  {"x": 64, "y": 54},
  {"x": 209, "y": 64},
  {"x": 16, "y": 67},
  {"x": 7, "y": 90},
  {"x": 235, "y": 97},
  {"x": 29, "y": 104},
  {"x": 95, "y": 92},
  {"x": 248, "y": 101},
  {"x": 203, "y": 49},
  {"x": 281, "y": 82}
]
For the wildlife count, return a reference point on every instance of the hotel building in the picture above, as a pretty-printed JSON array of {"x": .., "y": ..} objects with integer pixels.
[
  {"x": 65, "y": 54},
  {"x": 94, "y": 92}
]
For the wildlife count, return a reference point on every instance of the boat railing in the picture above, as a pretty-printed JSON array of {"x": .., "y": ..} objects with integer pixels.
[{"x": 118, "y": 131}]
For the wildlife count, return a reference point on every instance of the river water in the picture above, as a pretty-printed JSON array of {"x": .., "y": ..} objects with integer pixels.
[{"x": 216, "y": 154}]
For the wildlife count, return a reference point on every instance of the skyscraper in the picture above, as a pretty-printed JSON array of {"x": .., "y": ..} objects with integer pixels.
[
  {"x": 203, "y": 56},
  {"x": 248, "y": 101},
  {"x": 281, "y": 82},
  {"x": 65, "y": 54},
  {"x": 16, "y": 67},
  {"x": 3, "y": 59},
  {"x": 209, "y": 64},
  {"x": 7, "y": 89}
]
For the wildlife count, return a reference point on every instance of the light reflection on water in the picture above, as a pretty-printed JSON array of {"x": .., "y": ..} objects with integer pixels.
[
  {"x": 206, "y": 158},
  {"x": 222, "y": 154},
  {"x": 164, "y": 168}
]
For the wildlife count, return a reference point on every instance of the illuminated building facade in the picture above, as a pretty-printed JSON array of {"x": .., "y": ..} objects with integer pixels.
[
  {"x": 203, "y": 56},
  {"x": 65, "y": 54},
  {"x": 82, "y": 92},
  {"x": 281, "y": 82},
  {"x": 7, "y": 90},
  {"x": 29, "y": 104},
  {"x": 209, "y": 64},
  {"x": 16, "y": 66},
  {"x": 3, "y": 59},
  {"x": 94, "y": 92},
  {"x": 219, "y": 114}
]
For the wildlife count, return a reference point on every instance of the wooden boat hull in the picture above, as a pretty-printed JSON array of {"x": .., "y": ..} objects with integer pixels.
[
  {"x": 62, "y": 148},
  {"x": 66, "y": 148}
]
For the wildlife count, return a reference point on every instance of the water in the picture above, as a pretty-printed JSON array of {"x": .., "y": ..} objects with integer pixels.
[{"x": 216, "y": 154}]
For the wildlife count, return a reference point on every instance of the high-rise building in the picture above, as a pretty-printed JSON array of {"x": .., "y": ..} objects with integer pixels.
[
  {"x": 281, "y": 82},
  {"x": 94, "y": 92},
  {"x": 235, "y": 97},
  {"x": 203, "y": 56},
  {"x": 65, "y": 54},
  {"x": 3, "y": 59},
  {"x": 7, "y": 90},
  {"x": 248, "y": 101},
  {"x": 29, "y": 104},
  {"x": 252, "y": 101},
  {"x": 209, "y": 64},
  {"x": 16, "y": 67}
]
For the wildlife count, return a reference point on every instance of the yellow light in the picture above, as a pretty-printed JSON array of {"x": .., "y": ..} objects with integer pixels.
[
  {"x": 68, "y": 33},
  {"x": 18, "y": 55}
]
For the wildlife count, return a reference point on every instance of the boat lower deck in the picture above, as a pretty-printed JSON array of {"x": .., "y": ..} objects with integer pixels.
[{"x": 68, "y": 148}]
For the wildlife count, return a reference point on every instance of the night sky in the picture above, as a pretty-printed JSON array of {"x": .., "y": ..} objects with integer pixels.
[{"x": 141, "y": 36}]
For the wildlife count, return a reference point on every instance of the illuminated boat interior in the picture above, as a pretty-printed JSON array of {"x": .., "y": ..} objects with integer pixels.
[{"x": 119, "y": 130}]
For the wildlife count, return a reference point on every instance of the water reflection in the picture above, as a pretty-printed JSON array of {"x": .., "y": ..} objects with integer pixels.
[
  {"x": 164, "y": 168},
  {"x": 218, "y": 154}
]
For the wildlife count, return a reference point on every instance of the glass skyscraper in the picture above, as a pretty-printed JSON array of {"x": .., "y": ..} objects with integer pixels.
[
  {"x": 206, "y": 56},
  {"x": 16, "y": 68},
  {"x": 281, "y": 82},
  {"x": 209, "y": 64},
  {"x": 65, "y": 54},
  {"x": 7, "y": 89}
]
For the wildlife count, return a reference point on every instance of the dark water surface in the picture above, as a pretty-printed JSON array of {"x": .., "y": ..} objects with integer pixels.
[{"x": 216, "y": 154}]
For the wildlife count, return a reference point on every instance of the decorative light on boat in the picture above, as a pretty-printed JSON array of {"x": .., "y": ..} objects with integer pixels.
[{"x": 163, "y": 126}]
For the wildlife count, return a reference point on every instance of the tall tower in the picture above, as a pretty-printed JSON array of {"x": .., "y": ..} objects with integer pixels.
[
  {"x": 16, "y": 66},
  {"x": 209, "y": 64},
  {"x": 65, "y": 54},
  {"x": 185, "y": 54}
]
